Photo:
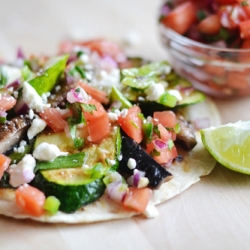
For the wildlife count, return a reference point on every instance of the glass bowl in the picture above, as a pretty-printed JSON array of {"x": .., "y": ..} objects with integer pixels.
[{"x": 219, "y": 72}]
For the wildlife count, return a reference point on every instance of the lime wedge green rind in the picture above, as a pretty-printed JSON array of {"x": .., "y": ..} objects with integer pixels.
[{"x": 230, "y": 145}]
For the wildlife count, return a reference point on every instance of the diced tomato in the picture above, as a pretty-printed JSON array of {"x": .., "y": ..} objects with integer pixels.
[
  {"x": 226, "y": 2},
  {"x": 162, "y": 156},
  {"x": 30, "y": 199},
  {"x": 97, "y": 94},
  {"x": 245, "y": 5},
  {"x": 238, "y": 79},
  {"x": 97, "y": 122},
  {"x": 245, "y": 29},
  {"x": 181, "y": 18},
  {"x": 66, "y": 47},
  {"x": 104, "y": 48},
  {"x": 137, "y": 199},
  {"x": 99, "y": 127},
  {"x": 210, "y": 25},
  {"x": 245, "y": 44},
  {"x": 164, "y": 134},
  {"x": 131, "y": 124},
  {"x": 6, "y": 101},
  {"x": 244, "y": 57},
  {"x": 215, "y": 70},
  {"x": 231, "y": 16},
  {"x": 166, "y": 118},
  {"x": 4, "y": 164},
  {"x": 54, "y": 119},
  {"x": 89, "y": 116}
]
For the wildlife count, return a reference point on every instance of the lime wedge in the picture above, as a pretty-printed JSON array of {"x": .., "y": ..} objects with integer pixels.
[{"x": 230, "y": 145}]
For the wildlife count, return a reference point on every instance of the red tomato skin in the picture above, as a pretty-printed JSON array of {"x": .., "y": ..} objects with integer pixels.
[
  {"x": 30, "y": 199},
  {"x": 54, "y": 119},
  {"x": 210, "y": 25},
  {"x": 4, "y": 164},
  {"x": 137, "y": 199},
  {"x": 181, "y": 18},
  {"x": 97, "y": 94},
  {"x": 97, "y": 121},
  {"x": 131, "y": 124},
  {"x": 6, "y": 101},
  {"x": 245, "y": 29},
  {"x": 99, "y": 127},
  {"x": 166, "y": 155},
  {"x": 225, "y": 2},
  {"x": 166, "y": 118}
]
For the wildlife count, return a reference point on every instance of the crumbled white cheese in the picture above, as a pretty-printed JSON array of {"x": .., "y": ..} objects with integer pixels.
[
  {"x": 12, "y": 73},
  {"x": 84, "y": 58},
  {"x": 23, "y": 172},
  {"x": 22, "y": 143},
  {"x": 106, "y": 80},
  {"x": 31, "y": 114},
  {"x": 141, "y": 98},
  {"x": 131, "y": 163},
  {"x": 15, "y": 94},
  {"x": 114, "y": 176},
  {"x": 20, "y": 149},
  {"x": 37, "y": 126},
  {"x": 149, "y": 119},
  {"x": 143, "y": 182},
  {"x": 124, "y": 113},
  {"x": 175, "y": 93},
  {"x": 154, "y": 91},
  {"x": 11, "y": 89},
  {"x": 32, "y": 99},
  {"x": 85, "y": 167},
  {"x": 111, "y": 162},
  {"x": 57, "y": 88},
  {"x": 113, "y": 117},
  {"x": 47, "y": 152},
  {"x": 151, "y": 211},
  {"x": 117, "y": 111},
  {"x": 119, "y": 157}
]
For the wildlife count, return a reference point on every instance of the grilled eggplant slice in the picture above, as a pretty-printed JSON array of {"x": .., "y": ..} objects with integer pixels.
[{"x": 12, "y": 132}]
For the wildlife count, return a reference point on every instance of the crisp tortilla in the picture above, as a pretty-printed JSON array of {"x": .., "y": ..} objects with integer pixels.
[{"x": 196, "y": 163}]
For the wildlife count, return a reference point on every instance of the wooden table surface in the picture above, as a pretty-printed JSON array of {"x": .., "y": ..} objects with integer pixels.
[{"x": 213, "y": 214}]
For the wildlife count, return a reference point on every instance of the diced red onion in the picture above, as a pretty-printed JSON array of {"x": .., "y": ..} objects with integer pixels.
[
  {"x": 21, "y": 107},
  {"x": 15, "y": 84},
  {"x": 220, "y": 44},
  {"x": 137, "y": 176},
  {"x": 165, "y": 10},
  {"x": 116, "y": 190},
  {"x": 72, "y": 58},
  {"x": 108, "y": 63},
  {"x": 77, "y": 96},
  {"x": 69, "y": 79},
  {"x": 20, "y": 54},
  {"x": 201, "y": 123},
  {"x": 3, "y": 113},
  {"x": 160, "y": 145},
  {"x": 225, "y": 22},
  {"x": 186, "y": 89}
]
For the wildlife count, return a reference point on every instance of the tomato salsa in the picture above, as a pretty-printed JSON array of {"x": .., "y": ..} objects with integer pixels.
[{"x": 223, "y": 23}]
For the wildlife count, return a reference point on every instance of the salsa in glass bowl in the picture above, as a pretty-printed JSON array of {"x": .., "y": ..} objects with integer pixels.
[{"x": 209, "y": 44}]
